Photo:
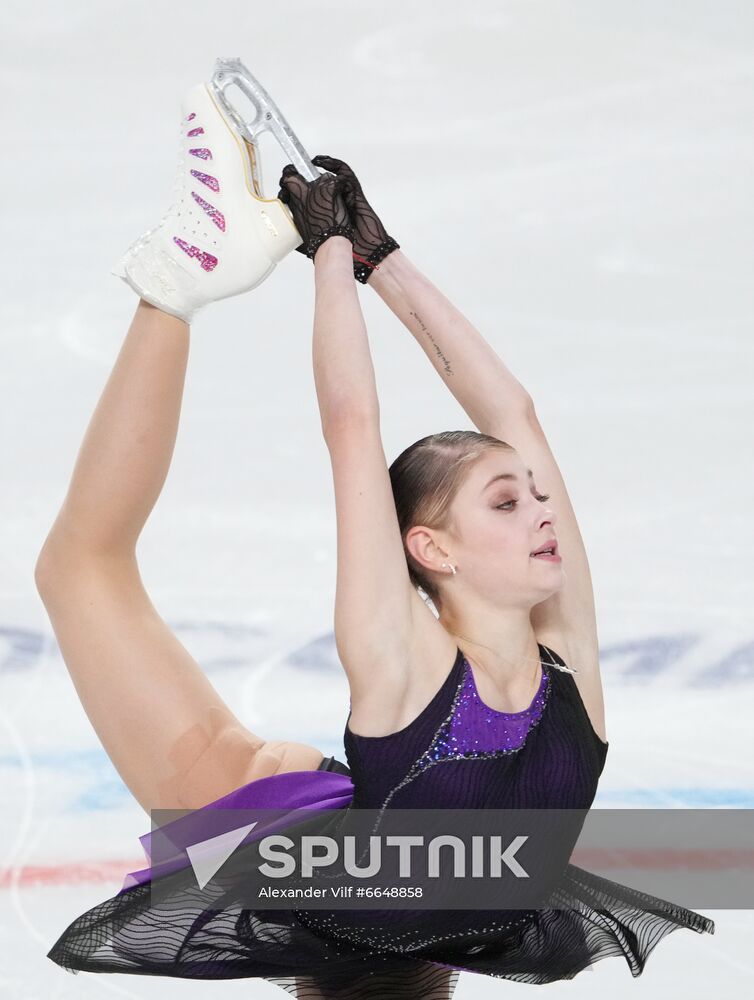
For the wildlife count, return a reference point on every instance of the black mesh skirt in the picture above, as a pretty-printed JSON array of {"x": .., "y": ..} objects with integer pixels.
[{"x": 210, "y": 933}]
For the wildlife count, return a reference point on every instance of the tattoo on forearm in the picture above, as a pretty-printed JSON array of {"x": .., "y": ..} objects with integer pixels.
[{"x": 446, "y": 363}]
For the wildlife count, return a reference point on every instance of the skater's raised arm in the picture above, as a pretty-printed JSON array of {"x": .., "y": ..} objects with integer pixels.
[
  {"x": 477, "y": 377},
  {"x": 492, "y": 397},
  {"x": 374, "y": 594},
  {"x": 374, "y": 597},
  {"x": 343, "y": 371},
  {"x": 498, "y": 405},
  {"x": 475, "y": 374}
]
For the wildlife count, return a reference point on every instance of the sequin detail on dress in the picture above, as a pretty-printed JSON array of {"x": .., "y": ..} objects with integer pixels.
[
  {"x": 191, "y": 116},
  {"x": 207, "y": 260},
  {"x": 207, "y": 179},
  {"x": 474, "y": 730},
  {"x": 196, "y": 131},
  {"x": 202, "y": 153},
  {"x": 214, "y": 213},
  {"x": 475, "y": 727},
  {"x": 451, "y": 742}
]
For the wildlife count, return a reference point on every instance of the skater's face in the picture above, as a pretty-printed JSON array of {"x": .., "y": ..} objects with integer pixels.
[{"x": 497, "y": 519}]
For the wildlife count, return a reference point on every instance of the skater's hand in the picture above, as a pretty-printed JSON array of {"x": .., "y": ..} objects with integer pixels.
[
  {"x": 317, "y": 206},
  {"x": 371, "y": 241}
]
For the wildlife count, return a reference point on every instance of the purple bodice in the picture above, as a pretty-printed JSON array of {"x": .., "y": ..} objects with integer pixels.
[
  {"x": 460, "y": 753},
  {"x": 476, "y": 726}
]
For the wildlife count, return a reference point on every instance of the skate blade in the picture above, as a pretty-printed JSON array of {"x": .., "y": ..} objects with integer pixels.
[{"x": 268, "y": 118}]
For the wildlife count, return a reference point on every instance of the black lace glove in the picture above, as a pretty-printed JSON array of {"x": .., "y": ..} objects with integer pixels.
[
  {"x": 317, "y": 206},
  {"x": 371, "y": 243}
]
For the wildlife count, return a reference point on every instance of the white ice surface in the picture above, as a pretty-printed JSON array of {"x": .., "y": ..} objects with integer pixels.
[{"x": 577, "y": 178}]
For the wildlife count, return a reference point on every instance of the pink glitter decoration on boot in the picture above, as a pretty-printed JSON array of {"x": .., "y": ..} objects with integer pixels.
[
  {"x": 195, "y": 131},
  {"x": 191, "y": 116},
  {"x": 214, "y": 213},
  {"x": 207, "y": 260},
  {"x": 207, "y": 179},
  {"x": 202, "y": 153}
]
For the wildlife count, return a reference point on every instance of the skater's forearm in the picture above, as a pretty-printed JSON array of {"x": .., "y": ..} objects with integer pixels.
[
  {"x": 343, "y": 370},
  {"x": 477, "y": 377}
]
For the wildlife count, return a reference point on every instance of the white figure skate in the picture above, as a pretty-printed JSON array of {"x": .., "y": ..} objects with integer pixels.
[{"x": 220, "y": 237}]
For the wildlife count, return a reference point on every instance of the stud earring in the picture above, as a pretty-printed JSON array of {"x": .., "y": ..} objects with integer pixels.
[{"x": 452, "y": 568}]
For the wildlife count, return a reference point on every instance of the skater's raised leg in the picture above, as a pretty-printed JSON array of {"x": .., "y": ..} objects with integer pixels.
[{"x": 173, "y": 740}]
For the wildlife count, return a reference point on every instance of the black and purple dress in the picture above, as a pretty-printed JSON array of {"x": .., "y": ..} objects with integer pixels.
[{"x": 457, "y": 754}]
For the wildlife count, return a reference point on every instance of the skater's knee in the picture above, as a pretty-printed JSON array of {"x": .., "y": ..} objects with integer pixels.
[
  {"x": 282, "y": 756},
  {"x": 226, "y": 757},
  {"x": 218, "y": 764}
]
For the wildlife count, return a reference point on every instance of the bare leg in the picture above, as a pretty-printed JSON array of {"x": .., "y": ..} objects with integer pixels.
[
  {"x": 128, "y": 445},
  {"x": 170, "y": 735}
]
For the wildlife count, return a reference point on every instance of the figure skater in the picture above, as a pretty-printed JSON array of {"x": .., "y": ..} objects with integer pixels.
[{"x": 464, "y": 618}]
